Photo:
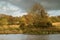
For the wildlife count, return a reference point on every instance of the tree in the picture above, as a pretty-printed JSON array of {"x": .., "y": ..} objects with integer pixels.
[{"x": 39, "y": 15}]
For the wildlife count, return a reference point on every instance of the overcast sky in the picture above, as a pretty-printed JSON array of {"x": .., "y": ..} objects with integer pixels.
[
  {"x": 15, "y": 7},
  {"x": 48, "y": 4}
]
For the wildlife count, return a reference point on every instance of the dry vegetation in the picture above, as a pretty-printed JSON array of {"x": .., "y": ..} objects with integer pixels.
[{"x": 57, "y": 25}]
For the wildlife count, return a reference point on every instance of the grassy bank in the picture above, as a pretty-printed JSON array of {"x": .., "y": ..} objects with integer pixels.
[{"x": 10, "y": 29}]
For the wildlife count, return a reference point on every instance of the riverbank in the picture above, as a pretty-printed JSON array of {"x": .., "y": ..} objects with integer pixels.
[
  {"x": 30, "y": 31},
  {"x": 15, "y": 29}
]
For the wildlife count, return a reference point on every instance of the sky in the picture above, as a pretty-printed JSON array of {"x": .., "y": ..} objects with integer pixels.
[{"x": 19, "y": 7}]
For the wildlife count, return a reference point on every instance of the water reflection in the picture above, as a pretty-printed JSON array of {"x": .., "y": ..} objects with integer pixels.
[
  {"x": 38, "y": 37},
  {"x": 29, "y": 37}
]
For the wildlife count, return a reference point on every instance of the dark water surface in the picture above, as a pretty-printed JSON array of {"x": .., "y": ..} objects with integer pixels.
[{"x": 29, "y": 37}]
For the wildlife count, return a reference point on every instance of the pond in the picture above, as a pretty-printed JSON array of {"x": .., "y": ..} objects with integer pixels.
[{"x": 29, "y": 37}]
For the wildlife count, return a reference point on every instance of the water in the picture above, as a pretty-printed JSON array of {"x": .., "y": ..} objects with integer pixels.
[{"x": 29, "y": 37}]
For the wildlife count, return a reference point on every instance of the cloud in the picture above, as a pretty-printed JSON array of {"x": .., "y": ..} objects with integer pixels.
[
  {"x": 8, "y": 7},
  {"x": 11, "y": 9},
  {"x": 54, "y": 12},
  {"x": 13, "y": 6},
  {"x": 47, "y": 4},
  {"x": 19, "y": 13},
  {"x": 24, "y": 4}
]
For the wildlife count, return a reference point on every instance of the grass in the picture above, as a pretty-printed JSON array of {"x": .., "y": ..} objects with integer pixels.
[{"x": 27, "y": 30}]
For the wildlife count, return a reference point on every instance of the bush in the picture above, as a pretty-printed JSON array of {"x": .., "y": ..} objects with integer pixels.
[{"x": 43, "y": 24}]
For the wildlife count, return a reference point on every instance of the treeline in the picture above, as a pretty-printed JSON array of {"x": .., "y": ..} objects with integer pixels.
[
  {"x": 8, "y": 20},
  {"x": 55, "y": 18}
]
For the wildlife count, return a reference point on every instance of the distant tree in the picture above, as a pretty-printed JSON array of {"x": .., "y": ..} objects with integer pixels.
[
  {"x": 10, "y": 20},
  {"x": 3, "y": 21}
]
